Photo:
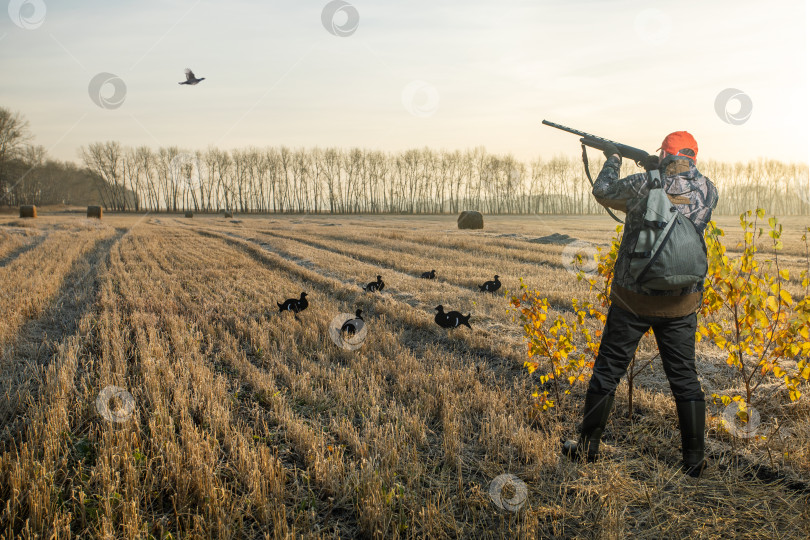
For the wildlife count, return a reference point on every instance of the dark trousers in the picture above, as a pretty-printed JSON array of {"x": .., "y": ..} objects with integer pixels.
[{"x": 676, "y": 343}]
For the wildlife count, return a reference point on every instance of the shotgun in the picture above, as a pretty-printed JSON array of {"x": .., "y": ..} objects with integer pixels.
[{"x": 642, "y": 158}]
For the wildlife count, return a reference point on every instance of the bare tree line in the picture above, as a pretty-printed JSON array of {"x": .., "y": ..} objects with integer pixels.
[
  {"x": 417, "y": 181},
  {"x": 280, "y": 179},
  {"x": 780, "y": 188}
]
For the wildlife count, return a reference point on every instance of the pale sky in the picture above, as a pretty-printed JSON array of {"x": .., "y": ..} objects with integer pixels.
[{"x": 444, "y": 74}]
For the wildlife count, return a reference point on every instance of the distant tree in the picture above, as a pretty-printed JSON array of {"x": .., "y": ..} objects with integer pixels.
[
  {"x": 106, "y": 160},
  {"x": 28, "y": 186},
  {"x": 14, "y": 137}
]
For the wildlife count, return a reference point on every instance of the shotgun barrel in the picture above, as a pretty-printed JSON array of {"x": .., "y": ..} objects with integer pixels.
[{"x": 641, "y": 157}]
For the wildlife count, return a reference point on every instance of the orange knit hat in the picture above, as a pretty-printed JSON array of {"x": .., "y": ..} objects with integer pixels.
[{"x": 677, "y": 141}]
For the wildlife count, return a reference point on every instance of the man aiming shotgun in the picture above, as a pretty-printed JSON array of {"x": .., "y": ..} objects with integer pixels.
[{"x": 657, "y": 283}]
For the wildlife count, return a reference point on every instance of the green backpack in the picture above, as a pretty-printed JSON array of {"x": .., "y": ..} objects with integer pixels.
[{"x": 670, "y": 254}]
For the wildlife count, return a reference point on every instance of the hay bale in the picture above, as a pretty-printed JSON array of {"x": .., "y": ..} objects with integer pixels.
[
  {"x": 28, "y": 210},
  {"x": 189, "y": 214},
  {"x": 555, "y": 238},
  {"x": 470, "y": 219},
  {"x": 94, "y": 212},
  {"x": 228, "y": 214}
]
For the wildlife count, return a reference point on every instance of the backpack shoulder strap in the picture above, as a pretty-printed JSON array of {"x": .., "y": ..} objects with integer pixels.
[{"x": 655, "y": 178}]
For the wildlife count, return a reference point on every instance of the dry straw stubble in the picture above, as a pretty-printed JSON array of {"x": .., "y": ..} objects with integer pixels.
[{"x": 248, "y": 422}]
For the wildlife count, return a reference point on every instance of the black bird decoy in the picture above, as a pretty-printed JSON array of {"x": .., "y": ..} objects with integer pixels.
[
  {"x": 190, "y": 78},
  {"x": 491, "y": 286},
  {"x": 375, "y": 285},
  {"x": 353, "y": 326},
  {"x": 296, "y": 305},
  {"x": 429, "y": 275},
  {"x": 451, "y": 319}
]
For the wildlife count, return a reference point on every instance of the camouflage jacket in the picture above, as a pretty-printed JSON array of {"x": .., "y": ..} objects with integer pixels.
[{"x": 693, "y": 194}]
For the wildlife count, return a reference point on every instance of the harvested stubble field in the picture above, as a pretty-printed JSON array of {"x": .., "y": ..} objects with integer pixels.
[{"x": 248, "y": 423}]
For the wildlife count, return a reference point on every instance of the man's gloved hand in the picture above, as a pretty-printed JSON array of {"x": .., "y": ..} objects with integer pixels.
[{"x": 610, "y": 149}]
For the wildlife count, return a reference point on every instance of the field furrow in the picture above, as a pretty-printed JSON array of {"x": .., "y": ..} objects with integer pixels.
[
  {"x": 26, "y": 358},
  {"x": 465, "y": 269},
  {"x": 14, "y": 241},
  {"x": 29, "y": 283}
]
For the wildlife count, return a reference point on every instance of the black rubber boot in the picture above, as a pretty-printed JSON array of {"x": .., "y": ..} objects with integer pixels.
[
  {"x": 692, "y": 420},
  {"x": 597, "y": 410}
]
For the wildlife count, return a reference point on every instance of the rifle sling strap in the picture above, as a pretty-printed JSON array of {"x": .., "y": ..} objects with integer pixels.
[{"x": 588, "y": 174}]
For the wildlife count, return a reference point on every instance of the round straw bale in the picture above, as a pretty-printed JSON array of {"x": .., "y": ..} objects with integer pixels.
[
  {"x": 470, "y": 219},
  {"x": 94, "y": 212},
  {"x": 28, "y": 211}
]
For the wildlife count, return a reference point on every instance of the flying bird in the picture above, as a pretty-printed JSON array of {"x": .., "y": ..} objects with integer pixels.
[
  {"x": 375, "y": 285},
  {"x": 190, "y": 78},
  {"x": 353, "y": 326},
  {"x": 429, "y": 275},
  {"x": 491, "y": 286},
  {"x": 296, "y": 305},
  {"x": 452, "y": 319}
]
